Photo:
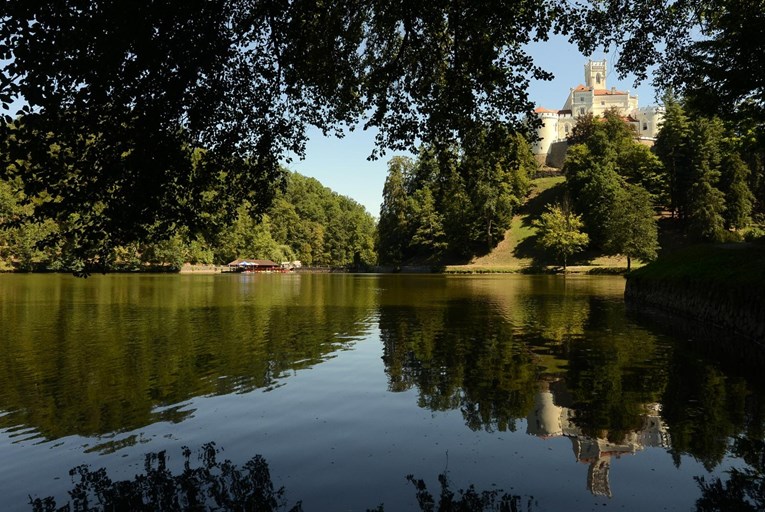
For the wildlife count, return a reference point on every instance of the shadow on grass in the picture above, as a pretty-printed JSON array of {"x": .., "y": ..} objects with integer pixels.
[{"x": 528, "y": 248}]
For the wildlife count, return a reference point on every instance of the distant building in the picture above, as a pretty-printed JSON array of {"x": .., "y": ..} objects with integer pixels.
[
  {"x": 247, "y": 265},
  {"x": 594, "y": 98}
]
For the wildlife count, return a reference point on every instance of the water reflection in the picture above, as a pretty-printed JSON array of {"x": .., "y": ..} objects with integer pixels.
[
  {"x": 108, "y": 356},
  {"x": 475, "y": 366},
  {"x": 744, "y": 489},
  {"x": 572, "y": 364},
  {"x": 486, "y": 357},
  {"x": 714, "y": 396},
  {"x": 215, "y": 485},
  {"x": 113, "y": 353},
  {"x": 549, "y": 419}
]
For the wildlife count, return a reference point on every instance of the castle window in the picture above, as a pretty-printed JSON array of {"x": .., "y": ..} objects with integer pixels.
[
  {"x": 602, "y": 102},
  {"x": 645, "y": 126},
  {"x": 581, "y": 111}
]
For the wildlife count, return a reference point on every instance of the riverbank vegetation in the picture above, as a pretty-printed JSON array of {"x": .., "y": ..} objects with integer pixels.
[
  {"x": 306, "y": 222},
  {"x": 460, "y": 204},
  {"x": 719, "y": 284},
  {"x": 702, "y": 182},
  {"x": 736, "y": 265},
  {"x": 182, "y": 113}
]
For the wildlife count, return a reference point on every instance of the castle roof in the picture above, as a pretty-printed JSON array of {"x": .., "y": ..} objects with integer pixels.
[
  {"x": 609, "y": 92},
  {"x": 543, "y": 110},
  {"x": 599, "y": 92}
]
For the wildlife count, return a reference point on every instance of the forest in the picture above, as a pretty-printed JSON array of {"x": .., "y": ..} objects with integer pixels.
[
  {"x": 306, "y": 222},
  {"x": 702, "y": 181},
  {"x": 455, "y": 202}
]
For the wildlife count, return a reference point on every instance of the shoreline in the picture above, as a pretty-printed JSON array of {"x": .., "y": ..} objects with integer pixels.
[
  {"x": 719, "y": 285},
  {"x": 409, "y": 269}
]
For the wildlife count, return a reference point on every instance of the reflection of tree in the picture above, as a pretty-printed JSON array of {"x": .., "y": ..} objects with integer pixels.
[
  {"x": 215, "y": 485},
  {"x": 469, "y": 500},
  {"x": 211, "y": 486},
  {"x": 105, "y": 354},
  {"x": 483, "y": 353},
  {"x": 704, "y": 429},
  {"x": 744, "y": 490},
  {"x": 460, "y": 354},
  {"x": 706, "y": 406},
  {"x": 713, "y": 407},
  {"x": 714, "y": 388},
  {"x": 612, "y": 376},
  {"x": 552, "y": 311}
]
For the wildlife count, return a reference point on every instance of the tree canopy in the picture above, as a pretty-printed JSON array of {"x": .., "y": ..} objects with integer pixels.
[
  {"x": 615, "y": 182},
  {"x": 306, "y": 222},
  {"x": 710, "y": 183},
  {"x": 123, "y": 95},
  {"x": 560, "y": 231},
  {"x": 450, "y": 205}
]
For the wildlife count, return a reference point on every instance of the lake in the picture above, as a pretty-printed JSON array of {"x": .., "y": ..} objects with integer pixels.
[{"x": 348, "y": 392}]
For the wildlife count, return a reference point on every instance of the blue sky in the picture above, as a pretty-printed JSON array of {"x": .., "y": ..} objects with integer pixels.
[{"x": 342, "y": 165}]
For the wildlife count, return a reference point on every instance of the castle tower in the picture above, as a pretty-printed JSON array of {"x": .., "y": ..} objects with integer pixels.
[
  {"x": 595, "y": 74},
  {"x": 547, "y": 133}
]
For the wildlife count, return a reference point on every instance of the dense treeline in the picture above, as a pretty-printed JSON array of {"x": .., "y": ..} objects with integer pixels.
[
  {"x": 711, "y": 169},
  {"x": 246, "y": 83},
  {"x": 451, "y": 204},
  {"x": 306, "y": 222}
]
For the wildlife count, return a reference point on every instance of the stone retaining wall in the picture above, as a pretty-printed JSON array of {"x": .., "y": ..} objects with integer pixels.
[{"x": 731, "y": 308}]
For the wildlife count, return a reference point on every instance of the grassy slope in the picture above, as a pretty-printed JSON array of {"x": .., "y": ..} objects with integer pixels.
[
  {"x": 735, "y": 265},
  {"x": 722, "y": 284},
  {"x": 518, "y": 250}
]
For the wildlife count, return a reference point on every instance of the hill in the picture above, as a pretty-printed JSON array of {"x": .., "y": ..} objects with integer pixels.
[{"x": 518, "y": 251}]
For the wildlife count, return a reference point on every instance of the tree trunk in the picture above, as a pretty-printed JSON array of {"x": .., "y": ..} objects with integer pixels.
[{"x": 629, "y": 263}]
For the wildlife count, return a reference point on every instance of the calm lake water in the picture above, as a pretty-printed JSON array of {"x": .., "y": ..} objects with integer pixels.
[{"x": 540, "y": 389}]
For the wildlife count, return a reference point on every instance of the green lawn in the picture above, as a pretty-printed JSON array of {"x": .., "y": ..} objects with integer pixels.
[
  {"x": 518, "y": 249},
  {"x": 737, "y": 264}
]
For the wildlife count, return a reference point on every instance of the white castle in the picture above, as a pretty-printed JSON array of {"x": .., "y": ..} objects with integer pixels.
[{"x": 591, "y": 98}]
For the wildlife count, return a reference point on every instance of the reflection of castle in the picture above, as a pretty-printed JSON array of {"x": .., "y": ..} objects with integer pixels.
[{"x": 550, "y": 420}]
